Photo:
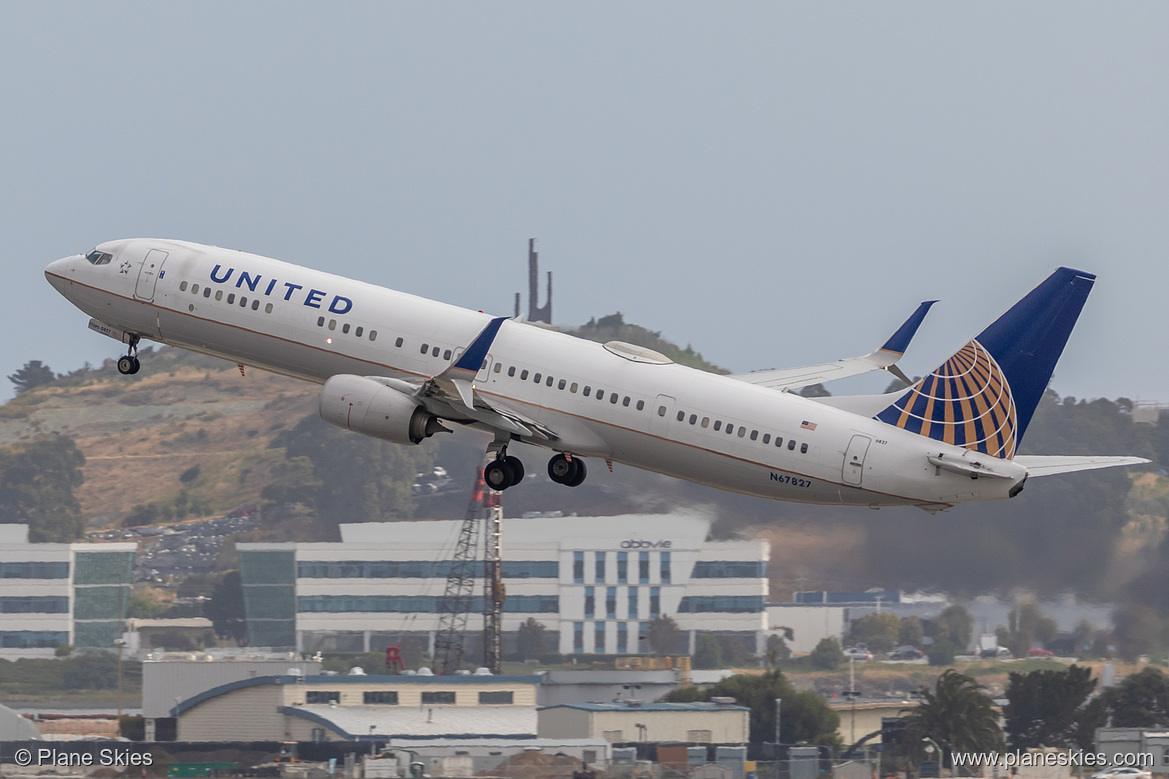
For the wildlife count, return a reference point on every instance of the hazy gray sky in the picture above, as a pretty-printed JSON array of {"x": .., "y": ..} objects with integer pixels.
[{"x": 775, "y": 184}]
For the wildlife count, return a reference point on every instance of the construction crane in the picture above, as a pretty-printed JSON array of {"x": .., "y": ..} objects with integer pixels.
[{"x": 484, "y": 506}]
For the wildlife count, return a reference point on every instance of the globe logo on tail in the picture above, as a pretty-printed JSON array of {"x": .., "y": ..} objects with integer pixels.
[{"x": 966, "y": 402}]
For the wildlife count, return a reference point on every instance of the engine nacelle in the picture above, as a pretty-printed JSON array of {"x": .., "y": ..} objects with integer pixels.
[{"x": 371, "y": 408}]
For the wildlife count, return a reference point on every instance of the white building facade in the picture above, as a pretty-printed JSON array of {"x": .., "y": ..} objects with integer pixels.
[
  {"x": 595, "y": 583},
  {"x": 55, "y": 594}
]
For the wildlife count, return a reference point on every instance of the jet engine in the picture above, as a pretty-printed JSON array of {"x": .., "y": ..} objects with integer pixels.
[{"x": 371, "y": 408}]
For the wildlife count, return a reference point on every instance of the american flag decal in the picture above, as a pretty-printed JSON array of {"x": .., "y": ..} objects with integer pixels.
[{"x": 806, "y": 425}]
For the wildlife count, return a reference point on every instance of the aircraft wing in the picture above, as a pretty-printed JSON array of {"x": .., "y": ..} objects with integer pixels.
[
  {"x": 452, "y": 395},
  {"x": 1049, "y": 465},
  {"x": 884, "y": 358}
]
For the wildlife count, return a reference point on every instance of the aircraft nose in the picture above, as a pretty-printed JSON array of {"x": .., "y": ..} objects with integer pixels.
[{"x": 57, "y": 271}]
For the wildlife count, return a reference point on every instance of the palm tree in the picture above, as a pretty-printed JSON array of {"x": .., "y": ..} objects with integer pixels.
[{"x": 957, "y": 715}]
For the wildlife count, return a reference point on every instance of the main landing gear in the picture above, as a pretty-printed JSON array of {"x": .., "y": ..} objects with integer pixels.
[
  {"x": 129, "y": 364},
  {"x": 503, "y": 472},
  {"x": 507, "y": 471},
  {"x": 567, "y": 470}
]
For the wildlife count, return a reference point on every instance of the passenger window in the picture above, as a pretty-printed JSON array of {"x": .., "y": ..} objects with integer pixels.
[
  {"x": 625, "y": 402},
  {"x": 791, "y": 445},
  {"x": 447, "y": 354},
  {"x": 754, "y": 435},
  {"x": 256, "y": 304},
  {"x": 398, "y": 343},
  {"x": 548, "y": 381},
  {"x": 194, "y": 289},
  {"x": 587, "y": 390},
  {"x": 614, "y": 398},
  {"x": 743, "y": 431},
  {"x": 345, "y": 328},
  {"x": 243, "y": 301},
  {"x": 183, "y": 286},
  {"x": 268, "y": 310},
  {"x": 561, "y": 384},
  {"x": 693, "y": 418},
  {"x": 498, "y": 367},
  {"x": 705, "y": 421},
  {"x": 803, "y": 448},
  {"x": 332, "y": 324},
  {"x": 572, "y": 387},
  {"x": 600, "y": 394},
  {"x": 219, "y": 294},
  {"x": 206, "y": 292},
  {"x": 681, "y": 415},
  {"x": 373, "y": 337},
  {"x": 640, "y": 405},
  {"x": 231, "y": 298},
  {"x": 661, "y": 411},
  {"x": 511, "y": 371},
  {"x": 537, "y": 377},
  {"x": 425, "y": 348},
  {"x": 730, "y": 428},
  {"x": 356, "y": 333},
  {"x": 434, "y": 352},
  {"x": 718, "y": 424},
  {"x": 320, "y": 320},
  {"x": 778, "y": 441},
  {"x": 767, "y": 438},
  {"x": 524, "y": 375}
]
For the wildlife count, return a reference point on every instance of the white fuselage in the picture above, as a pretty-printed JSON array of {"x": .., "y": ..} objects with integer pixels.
[{"x": 666, "y": 417}]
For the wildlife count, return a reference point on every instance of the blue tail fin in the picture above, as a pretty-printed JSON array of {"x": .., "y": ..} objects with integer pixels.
[{"x": 983, "y": 397}]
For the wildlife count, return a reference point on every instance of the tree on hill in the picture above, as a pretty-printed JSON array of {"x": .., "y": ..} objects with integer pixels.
[
  {"x": 805, "y": 717},
  {"x": 663, "y": 635},
  {"x": 37, "y": 481},
  {"x": 956, "y": 626},
  {"x": 33, "y": 374}
]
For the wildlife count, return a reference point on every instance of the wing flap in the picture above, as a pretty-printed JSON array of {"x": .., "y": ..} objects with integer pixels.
[{"x": 1049, "y": 465}]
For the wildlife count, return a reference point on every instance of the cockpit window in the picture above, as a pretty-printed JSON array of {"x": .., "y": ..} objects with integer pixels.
[{"x": 99, "y": 258}]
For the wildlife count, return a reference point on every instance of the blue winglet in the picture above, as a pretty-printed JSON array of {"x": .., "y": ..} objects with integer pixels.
[
  {"x": 472, "y": 359},
  {"x": 899, "y": 341}
]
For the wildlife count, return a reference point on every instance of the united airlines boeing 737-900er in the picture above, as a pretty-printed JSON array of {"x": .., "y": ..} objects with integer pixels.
[{"x": 402, "y": 368}]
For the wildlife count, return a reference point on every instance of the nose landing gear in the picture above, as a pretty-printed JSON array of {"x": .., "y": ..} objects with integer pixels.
[{"x": 129, "y": 363}]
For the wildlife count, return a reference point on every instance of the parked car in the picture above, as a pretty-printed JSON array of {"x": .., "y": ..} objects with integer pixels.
[
  {"x": 1037, "y": 652},
  {"x": 857, "y": 653},
  {"x": 1123, "y": 772},
  {"x": 906, "y": 653}
]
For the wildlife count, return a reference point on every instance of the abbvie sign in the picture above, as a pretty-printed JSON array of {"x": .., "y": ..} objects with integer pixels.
[{"x": 632, "y": 544}]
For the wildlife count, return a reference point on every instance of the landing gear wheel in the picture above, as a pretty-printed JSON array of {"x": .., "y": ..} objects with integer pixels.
[
  {"x": 517, "y": 469},
  {"x": 499, "y": 475},
  {"x": 568, "y": 472},
  {"x": 129, "y": 364}
]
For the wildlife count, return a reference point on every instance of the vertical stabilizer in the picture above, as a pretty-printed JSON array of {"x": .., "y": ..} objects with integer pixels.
[{"x": 983, "y": 397}]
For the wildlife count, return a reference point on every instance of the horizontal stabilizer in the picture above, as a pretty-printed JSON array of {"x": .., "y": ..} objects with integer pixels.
[
  {"x": 1051, "y": 464},
  {"x": 884, "y": 358}
]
